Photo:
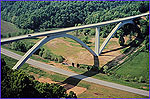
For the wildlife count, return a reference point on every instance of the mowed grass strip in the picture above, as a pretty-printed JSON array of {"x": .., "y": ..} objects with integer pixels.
[{"x": 136, "y": 67}]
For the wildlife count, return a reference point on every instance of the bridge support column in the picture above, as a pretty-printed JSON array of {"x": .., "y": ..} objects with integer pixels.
[
  {"x": 97, "y": 41},
  {"x": 97, "y": 46}
]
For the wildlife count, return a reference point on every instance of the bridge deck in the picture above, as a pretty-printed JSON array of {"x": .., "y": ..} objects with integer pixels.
[{"x": 65, "y": 30}]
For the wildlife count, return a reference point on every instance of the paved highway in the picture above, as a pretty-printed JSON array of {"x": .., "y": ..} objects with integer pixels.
[
  {"x": 67, "y": 73},
  {"x": 65, "y": 30}
]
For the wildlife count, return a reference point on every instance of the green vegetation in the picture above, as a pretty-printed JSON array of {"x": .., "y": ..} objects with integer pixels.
[
  {"x": 47, "y": 54},
  {"x": 11, "y": 62},
  {"x": 55, "y": 77},
  {"x": 43, "y": 15},
  {"x": 35, "y": 57},
  {"x": 28, "y": 69},
  {"x": 25, "y": 45},
  {"x": 19, "y": 84},
  {"x": 8, "y": 29},
  {"x": 111, "y": 78},
  {"x": 135, "y": 68}
]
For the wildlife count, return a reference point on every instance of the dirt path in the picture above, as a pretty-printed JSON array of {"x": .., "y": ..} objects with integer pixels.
[{"x": 68, "y": 87}]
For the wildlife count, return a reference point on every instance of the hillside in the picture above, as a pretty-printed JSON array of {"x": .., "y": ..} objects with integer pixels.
[
  {"x": 8, "y": 29},
  {"x": 135, "y": 67}
]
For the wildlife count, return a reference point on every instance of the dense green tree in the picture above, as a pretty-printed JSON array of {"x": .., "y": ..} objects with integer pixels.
[
  {"x": 144, "y": 7},
  {"x": 48, "y": 55},
  {"x": 121, "y": 40},
  {"x": 85, "y": 39},
  {"x": 43, "y": 14},
  {"x": 72, "y": 95},
  {"x": 19, "y": 46},
  {"x": 18, "y": 84}
]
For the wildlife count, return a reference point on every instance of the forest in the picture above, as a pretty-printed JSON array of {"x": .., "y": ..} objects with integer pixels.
[
  {"x": 38, "y": 15},
  {"x": 18, "y": 84}
]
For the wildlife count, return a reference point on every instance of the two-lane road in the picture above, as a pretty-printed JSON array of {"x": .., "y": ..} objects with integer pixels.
[{"x": 85, "y": 78}]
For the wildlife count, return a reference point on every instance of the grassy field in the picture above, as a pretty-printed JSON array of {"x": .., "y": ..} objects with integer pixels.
[
  {"x": 93, "y": 90},
  {"x": 8, "y": 28},
  {"x": 110, "y": 78},
  {"x": 136, "y": 67}
]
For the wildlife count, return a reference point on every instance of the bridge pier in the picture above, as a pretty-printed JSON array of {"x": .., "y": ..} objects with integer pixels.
[{"x": 97, "y": 40}]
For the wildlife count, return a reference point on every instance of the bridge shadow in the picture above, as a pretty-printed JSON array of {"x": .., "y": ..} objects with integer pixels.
[
  {"x": 114, "y": 49},
  {"x": 74, "y": 80}
]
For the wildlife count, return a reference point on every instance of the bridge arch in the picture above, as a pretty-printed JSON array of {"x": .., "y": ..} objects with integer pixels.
[
  {"x": 118, "y": 26},
  {"x": 45, "y": 40}
]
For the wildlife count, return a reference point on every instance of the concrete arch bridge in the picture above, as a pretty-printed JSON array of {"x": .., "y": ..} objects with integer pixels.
[{"x": 49, "y": 35}]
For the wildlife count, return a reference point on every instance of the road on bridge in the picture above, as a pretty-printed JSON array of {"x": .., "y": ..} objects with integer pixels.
[{"x": 78, "y": 76}]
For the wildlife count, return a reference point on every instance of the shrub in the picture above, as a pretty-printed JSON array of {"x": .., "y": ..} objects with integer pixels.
[
  {"x": 127, "y": 78},
  {"x": 105, "y": 68},
  {"x": 85, "y": 39},
  {"x": 72, "y": 95},
  {"x": 121, "y": 40},
  {"x": 29, "y": 46},
  {"x": 140, "y": 79},
  {"x": 135, "y": 79},
  {"x": 19, "y": 46},
  {"x": 46, "y": 54},
  {"x": 60, "y": 59}
]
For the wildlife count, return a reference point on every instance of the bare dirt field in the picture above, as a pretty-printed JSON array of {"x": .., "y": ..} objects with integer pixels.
[
  {"x": 68, "y": 87},
  {"x": 73, "y": 52}
]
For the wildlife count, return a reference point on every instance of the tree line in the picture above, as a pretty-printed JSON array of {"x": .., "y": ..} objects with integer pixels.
[{"x": 36, "y": 15}]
